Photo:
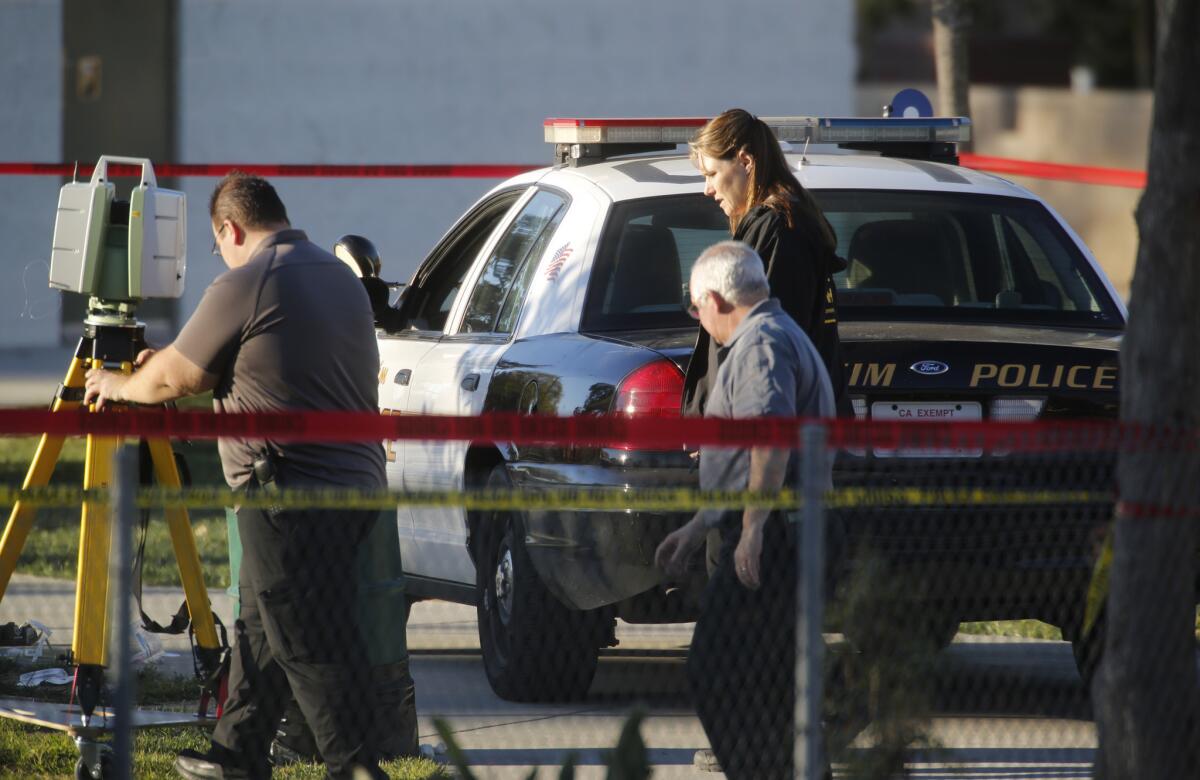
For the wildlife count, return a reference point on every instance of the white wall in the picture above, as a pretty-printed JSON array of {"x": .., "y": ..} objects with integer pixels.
[
  {"x": 392, "y": 81},
  {"x": 434, "y": 81},
  {"x": 30, "y": 130}
]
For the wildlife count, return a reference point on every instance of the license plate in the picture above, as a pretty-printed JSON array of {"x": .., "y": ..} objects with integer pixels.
[{"x": 928, "y": 411}]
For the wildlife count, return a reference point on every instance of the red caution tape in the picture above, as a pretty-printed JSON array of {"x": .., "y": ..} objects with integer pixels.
[
  {"x": 650, "y": 434},
  {"x": 1084, "y": 174},
  {"x": 1140, "y": 511},
  {"x": 464, "y": 171}
]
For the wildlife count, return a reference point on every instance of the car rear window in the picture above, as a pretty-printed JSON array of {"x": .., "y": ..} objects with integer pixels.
[
  {"x": 957, "y": 257},
  {"x": 938, "y": 257}
]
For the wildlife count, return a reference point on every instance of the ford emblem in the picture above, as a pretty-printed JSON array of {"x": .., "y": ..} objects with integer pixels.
[{"x": 929, "y": 367}]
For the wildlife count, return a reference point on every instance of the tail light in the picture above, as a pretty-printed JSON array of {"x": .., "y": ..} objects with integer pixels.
[
  {"x": 654, "y": 390},
  {"x": 1017, "y": 409}
]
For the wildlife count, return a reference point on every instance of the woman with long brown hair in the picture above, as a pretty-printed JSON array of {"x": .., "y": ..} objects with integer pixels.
[{"x": 746, "y": 173}]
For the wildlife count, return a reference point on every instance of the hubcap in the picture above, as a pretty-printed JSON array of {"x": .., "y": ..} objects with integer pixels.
[{"x": 504, "y": 586}]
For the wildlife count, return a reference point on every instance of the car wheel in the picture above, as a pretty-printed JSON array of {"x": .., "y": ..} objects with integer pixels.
[
  {"x": 534, "y": 648},
  {"x": 941, "y": 630}
]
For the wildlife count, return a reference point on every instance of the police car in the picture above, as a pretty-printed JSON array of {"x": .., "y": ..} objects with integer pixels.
[{"x": 562, "y": 291}]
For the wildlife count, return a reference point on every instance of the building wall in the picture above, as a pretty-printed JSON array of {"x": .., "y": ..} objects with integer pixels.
[
  {"x": 434, "y": 82},
  {"x": 426, "y": 81},
  {"x": 1107, "y": 128},
  {"x": 375, "y": 81},
  {"x": 30, "y": 130}
]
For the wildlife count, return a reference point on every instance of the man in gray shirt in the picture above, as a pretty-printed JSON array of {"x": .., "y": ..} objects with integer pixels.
[
  {"x": 288, "y": 327},
  {"x": 741, "y": 661}
]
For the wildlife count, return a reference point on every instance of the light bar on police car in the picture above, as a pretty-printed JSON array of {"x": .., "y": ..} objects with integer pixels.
[
  {"x": 848, "y": 130},
  {"x": 790, "y": 129},
  {"x": 678, "y": 130}
]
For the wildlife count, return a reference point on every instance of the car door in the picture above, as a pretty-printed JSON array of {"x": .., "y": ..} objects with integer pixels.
[
  {"x": 453, "y": 378},
  {"x": 425, "y": 307}
]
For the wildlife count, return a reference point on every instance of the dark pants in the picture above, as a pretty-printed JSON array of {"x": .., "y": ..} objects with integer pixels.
[
  {"x": 741, "y": 663},
  {"x": 298, "y": 635}
]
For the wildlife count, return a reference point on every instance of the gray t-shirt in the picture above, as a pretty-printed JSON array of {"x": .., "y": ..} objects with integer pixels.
[
  {"x": 290, "y": 329},
  {"x": 769, "y": 368}
]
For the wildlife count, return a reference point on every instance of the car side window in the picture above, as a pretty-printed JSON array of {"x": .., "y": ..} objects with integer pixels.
[
  {"x": 1060, "y": 283},
  {"x": 501, "y": 287},
  {"x": 435, "y": 286}
]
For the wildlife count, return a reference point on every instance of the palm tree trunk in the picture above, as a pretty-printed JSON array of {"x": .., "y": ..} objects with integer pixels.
[{"x": 1146, "y": 696}]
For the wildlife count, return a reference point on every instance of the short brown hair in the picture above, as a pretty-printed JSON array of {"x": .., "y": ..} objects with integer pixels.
[
  {"x": 772, "y": 182},
  {"x": 250, "y": 201}
]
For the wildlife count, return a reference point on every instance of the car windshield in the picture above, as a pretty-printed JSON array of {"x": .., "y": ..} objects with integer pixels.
[{"x": 925, "y": 256}]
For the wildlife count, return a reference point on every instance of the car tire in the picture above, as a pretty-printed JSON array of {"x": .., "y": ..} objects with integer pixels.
[
  {"x": 940, "y": 629},
  {"x": 535, "y": 649}
]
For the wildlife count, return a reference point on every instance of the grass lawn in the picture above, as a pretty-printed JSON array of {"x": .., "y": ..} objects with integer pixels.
[
  {"x": 29, "y": 751},
  {"x": 1029, "y": 629},
  {"x": 53, "y": 544}
]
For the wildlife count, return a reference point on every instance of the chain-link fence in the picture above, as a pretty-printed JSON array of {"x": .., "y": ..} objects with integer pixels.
[{"x": 927, "y": 600}]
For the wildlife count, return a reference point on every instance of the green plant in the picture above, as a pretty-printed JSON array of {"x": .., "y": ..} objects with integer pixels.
[{"x": 886, "y": 682}]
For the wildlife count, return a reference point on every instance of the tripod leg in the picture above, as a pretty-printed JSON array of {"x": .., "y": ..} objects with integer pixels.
[
  {"x": 190, "y": 574},
  {"x": 40, "y": 469},
  {"x": 95, "y": 535}
]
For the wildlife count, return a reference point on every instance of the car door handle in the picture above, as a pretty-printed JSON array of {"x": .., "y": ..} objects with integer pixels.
[
  {"x": 402, "y": 376},
  {"x": 470, "y": 382}
]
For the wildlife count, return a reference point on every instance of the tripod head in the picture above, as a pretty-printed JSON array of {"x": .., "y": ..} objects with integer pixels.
[{"x": 119, "y": 252}]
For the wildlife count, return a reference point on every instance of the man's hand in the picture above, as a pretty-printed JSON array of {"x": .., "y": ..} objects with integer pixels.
[
  {"x": 675, "y": 551},
  {"x": 747, "y": 558},
  {"x": 104, "y": 386},
  {"x": 162, "y": 375}
]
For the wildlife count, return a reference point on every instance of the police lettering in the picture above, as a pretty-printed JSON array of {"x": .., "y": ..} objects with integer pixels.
[
  {"x": 872, "y": 374},
  {"x": 389, "y": 451},
  {"x": 1044, "y": 377}
]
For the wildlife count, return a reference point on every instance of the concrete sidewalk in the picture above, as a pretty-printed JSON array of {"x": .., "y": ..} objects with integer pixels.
[{"x": 433, "y": 627}]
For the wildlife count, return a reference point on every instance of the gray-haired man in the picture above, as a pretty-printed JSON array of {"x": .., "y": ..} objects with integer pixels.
[{"x": 740, "y": 666}]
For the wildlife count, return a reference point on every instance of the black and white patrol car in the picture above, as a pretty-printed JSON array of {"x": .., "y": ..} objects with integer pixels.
[{"x": 563, "y": 292}]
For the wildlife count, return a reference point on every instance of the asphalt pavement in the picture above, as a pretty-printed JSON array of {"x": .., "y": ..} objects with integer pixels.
[{"x": 1004, "y": 708}]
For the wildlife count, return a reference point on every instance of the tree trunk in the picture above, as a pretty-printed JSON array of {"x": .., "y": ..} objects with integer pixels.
[
  {"x": 1147, "y": 702},
  {"x": 1144, "y": 36},
  {"x": 951, "y": 22}
]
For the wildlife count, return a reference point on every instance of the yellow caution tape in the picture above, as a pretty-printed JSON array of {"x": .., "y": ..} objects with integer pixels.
[
  {"x": 646, "y": 499},
  {"x": 1097, "y": 594},
  {"x": 861, "y": 498}
]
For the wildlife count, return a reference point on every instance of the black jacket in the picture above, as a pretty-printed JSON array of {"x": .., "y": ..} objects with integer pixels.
[{"x": 800, "y": 272}]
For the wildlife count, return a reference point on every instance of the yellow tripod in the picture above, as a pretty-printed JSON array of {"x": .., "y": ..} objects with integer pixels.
[{"x": 107, "y": 343}]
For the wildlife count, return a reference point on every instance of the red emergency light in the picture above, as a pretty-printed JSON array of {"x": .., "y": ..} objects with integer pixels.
[{"x": 665, "y": 130}]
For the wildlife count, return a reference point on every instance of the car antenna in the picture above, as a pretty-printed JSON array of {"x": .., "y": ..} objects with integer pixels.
[{"x": 804, "y": 153}]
